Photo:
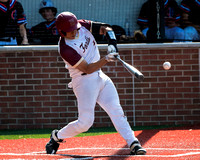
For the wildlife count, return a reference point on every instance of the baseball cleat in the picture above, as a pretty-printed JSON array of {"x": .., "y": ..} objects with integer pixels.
[
  {"x": 53, "y": 144},
  {"x": 136, "y": 149}
]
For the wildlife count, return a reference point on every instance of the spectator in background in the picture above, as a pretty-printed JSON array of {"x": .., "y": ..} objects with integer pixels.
[
  {"x": 190, "y": 19},
  {"x": 45, "y": 32},
  {"x": 13, "y": 23},
  {"x": 171, "y": 17}
]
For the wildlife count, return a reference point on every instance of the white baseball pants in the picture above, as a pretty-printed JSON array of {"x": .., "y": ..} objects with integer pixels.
[{"x": 92, "y": 88}]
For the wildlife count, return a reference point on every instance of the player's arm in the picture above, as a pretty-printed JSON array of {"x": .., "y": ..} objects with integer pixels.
[
  {"x": 101, "y": 29},
  {"x": 92, "y": 67},
  {"x": 77, "y": 61},
  {"x": 112, "y": 52},
  {"x": 23, "y": 34},
  {"x": 21, "y": 21}
]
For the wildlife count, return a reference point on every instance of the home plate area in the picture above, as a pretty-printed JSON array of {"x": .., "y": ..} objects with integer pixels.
[
  {"x": 121, "y": 153},
  {"x": 173, "y": 143}
]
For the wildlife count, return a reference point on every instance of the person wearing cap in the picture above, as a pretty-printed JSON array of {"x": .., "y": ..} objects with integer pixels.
[
  {"x": 45, "y": 32},
  {"x": 13, "y": 23},
  {"x": 190, "y": 21},
  {"x": 173, "y": 32}
]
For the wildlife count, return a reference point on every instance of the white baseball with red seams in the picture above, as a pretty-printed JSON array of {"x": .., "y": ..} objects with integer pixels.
[{"x": 166, "y": 65}]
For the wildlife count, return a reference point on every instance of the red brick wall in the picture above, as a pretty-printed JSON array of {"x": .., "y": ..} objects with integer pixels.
[
  {"x": 34, "y": 93},
  {"x": 168, "y": 97}
]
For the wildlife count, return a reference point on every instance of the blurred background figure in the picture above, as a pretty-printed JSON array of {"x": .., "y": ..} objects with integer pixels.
[
  {"x": 173, "y": 31},
  {"x": 13, "y": 23},
  {"x": 190, "y": 20},
  {"x": 171, "y": 18},
  {"x": 45, "y": 32}
]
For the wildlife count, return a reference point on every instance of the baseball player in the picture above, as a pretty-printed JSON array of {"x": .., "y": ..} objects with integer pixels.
[
  {"x": 45, "y": 32},
  {"x": 172, "y": 18},
  {"x": 13, "y": 22},
  {"x": 190, "y": 19},
  {"x": 80, "y": 53}
]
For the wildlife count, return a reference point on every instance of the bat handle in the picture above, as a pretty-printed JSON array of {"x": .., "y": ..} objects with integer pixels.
[{"x": 118, "y": 57}]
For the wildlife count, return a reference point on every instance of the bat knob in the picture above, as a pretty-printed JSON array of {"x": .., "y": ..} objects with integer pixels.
[{"x": 140, "y": 77}]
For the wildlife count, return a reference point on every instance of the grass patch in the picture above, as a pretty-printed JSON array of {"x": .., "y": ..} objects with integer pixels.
[{"x": 45, "y": 133}]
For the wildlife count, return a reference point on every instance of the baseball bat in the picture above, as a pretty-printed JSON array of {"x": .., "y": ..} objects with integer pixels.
[{"x": 131, "y": 69}]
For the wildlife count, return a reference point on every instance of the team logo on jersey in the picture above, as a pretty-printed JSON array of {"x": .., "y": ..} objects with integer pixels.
[
  {"x": 85, "y": 46},
  {"x": 14, "y": 15}
]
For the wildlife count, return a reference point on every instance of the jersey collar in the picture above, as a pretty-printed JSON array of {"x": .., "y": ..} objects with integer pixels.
[
  {"x": 49, "y": 25},
  {"x": 11, "y": 5}
]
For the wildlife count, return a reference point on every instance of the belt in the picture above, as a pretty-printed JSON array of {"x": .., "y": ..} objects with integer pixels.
[{"x": 83, "y": 74}]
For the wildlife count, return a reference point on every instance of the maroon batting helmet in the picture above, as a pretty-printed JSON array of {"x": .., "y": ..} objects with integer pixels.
[{"x": 66, "y": 22}]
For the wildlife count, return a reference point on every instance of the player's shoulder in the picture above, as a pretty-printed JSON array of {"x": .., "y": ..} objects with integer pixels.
[
  {"x": 68, "y": 53},
  {"x": 85, "y": 23},
  {"x": 16, "y": 3},
  {"x": 64, "y": 47}
]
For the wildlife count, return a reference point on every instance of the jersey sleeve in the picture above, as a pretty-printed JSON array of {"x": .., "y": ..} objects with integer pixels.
[
  {"x": 85, "y": 23},
  {"x": 143, "y": 15},
  {"x": 21, "y": 17},
  {"x": 69, "y": 54}
]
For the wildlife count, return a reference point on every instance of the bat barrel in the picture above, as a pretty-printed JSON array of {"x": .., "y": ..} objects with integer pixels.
[{"x": 132, "y": 69}]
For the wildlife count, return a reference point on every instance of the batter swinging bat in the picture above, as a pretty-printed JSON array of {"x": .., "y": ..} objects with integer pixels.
[{"x": 131, "y": 69}]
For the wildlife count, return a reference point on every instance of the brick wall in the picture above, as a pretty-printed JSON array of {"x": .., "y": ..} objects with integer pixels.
[{"x": 34, "y": 93}]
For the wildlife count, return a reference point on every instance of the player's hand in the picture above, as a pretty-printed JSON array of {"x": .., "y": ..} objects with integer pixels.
[
  {"x": 112, "y": 53},
  {"x": 111, "y": 49},
  {"x": 111, "y": 57},
  {"x": 25, "y": 41},
  {"x": 104, "y": 29}
]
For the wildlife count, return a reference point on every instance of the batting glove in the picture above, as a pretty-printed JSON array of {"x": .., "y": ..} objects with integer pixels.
[
  {"x": 111, "y": 57},
  {"x": 111, "y": 49}
]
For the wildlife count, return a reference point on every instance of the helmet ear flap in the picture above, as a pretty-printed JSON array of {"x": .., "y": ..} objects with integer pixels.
[{"x": 62, "y": 33}]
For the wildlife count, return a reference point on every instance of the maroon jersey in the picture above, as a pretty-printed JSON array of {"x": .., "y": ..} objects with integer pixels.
[{"x": 83, "y": 47}]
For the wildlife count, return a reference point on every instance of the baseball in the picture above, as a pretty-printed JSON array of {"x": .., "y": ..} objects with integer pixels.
[{"x": 166, "y": 65}]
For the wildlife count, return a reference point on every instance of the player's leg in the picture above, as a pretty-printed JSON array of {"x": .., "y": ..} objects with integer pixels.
[
  {"x": 191, "y": 34},
  {"x": 86, "y": 91},
  {"x": 109, "y": 101},
  {"x": 175, "y": 33},
  {"x": 179, "y": 34}
]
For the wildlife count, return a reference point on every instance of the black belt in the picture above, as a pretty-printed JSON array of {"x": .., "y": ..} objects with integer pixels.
[{"x": 83, "y": 74}]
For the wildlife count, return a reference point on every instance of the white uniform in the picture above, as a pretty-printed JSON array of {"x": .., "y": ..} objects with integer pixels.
[{"x": 91, "y": 88}]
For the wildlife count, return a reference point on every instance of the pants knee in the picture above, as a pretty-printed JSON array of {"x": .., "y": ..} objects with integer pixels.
[
  {"x": 85, "y": 124},
  {"x": 116, "y": 110}
]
